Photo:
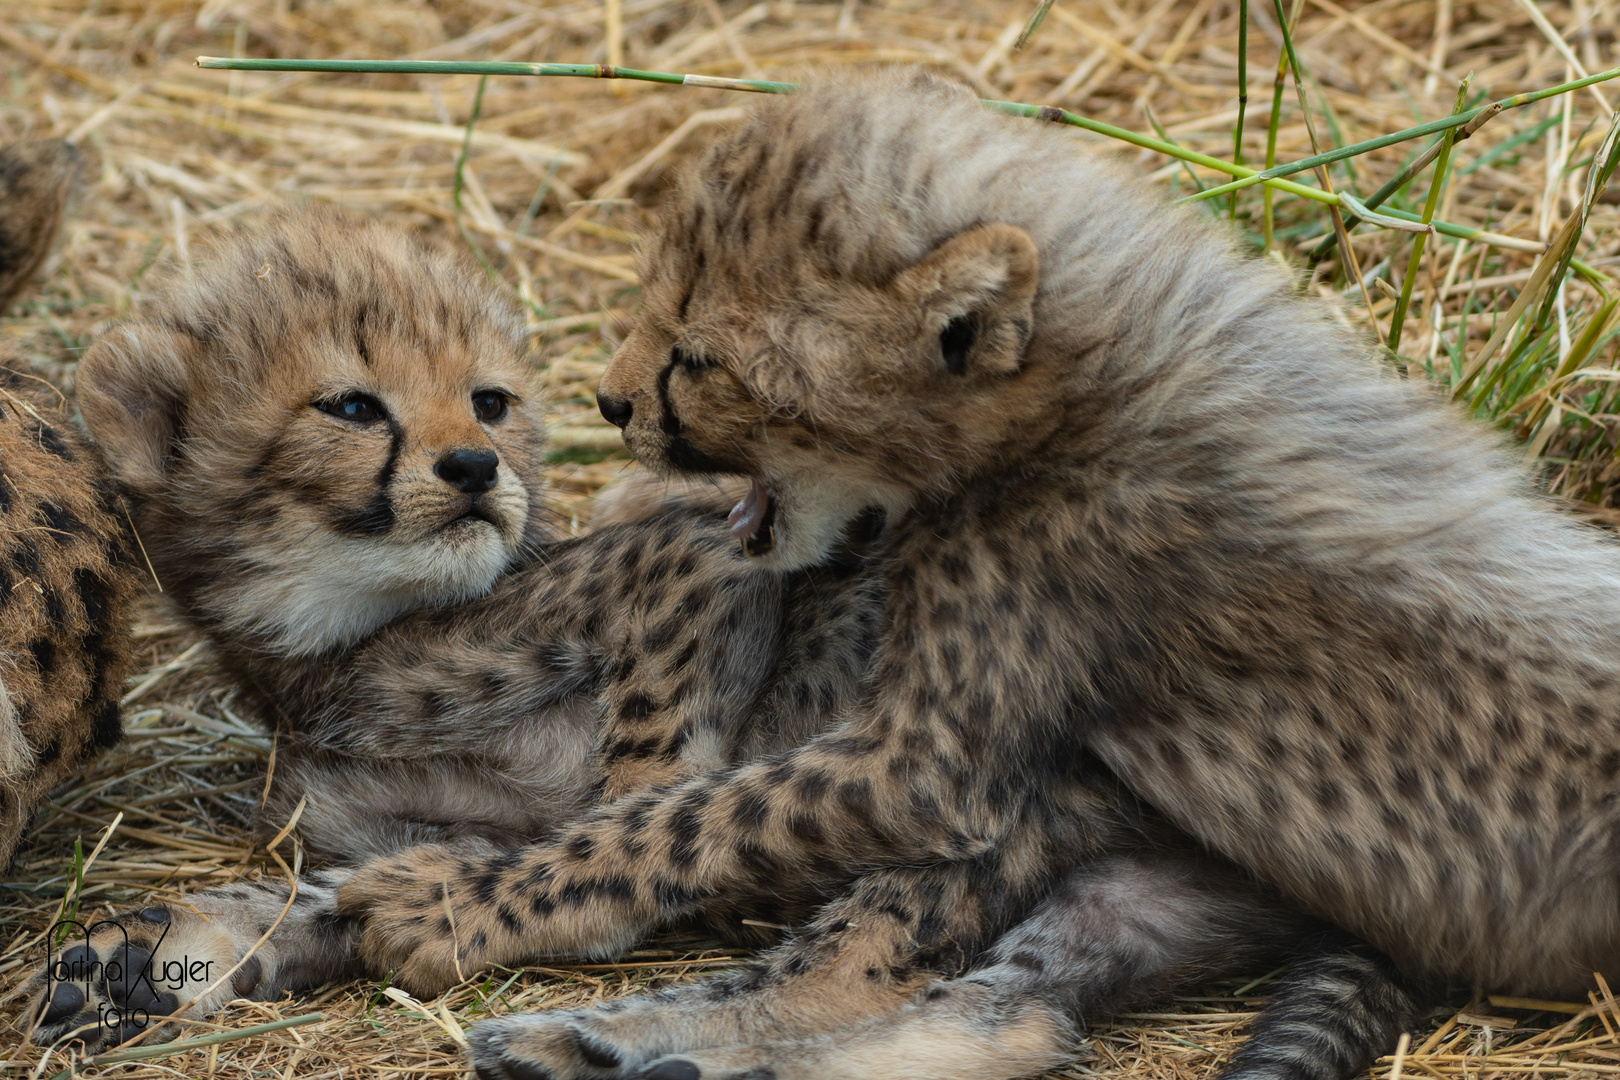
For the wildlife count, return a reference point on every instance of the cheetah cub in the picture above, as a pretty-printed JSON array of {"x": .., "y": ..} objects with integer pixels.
[
  {"x": 472, "y": 721},
  {"x": 332, "y": 445},
  {"x": 1146, "y": 507},
  {"x": 67, "y": 565}
]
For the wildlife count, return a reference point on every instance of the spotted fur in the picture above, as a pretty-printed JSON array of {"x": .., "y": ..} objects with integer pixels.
[
  {"x": 1144, "y": 507},
  {"x": 1301, "y": 608},
  {"x": 67, "y": 562},
  {"x": 305, "y": 428}
]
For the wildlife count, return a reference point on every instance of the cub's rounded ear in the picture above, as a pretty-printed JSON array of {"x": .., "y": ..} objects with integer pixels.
[
  {"x": 976, "y": 292},
  {"x": 132, "y": 386}
]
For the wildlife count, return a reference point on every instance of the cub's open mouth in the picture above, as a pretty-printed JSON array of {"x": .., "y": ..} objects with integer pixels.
[
  {"x": 753, "y": 521},
  {"x": 475, "y": 511}
]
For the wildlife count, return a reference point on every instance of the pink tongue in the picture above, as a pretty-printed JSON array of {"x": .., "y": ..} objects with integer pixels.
[{"x": 746, "y": 516}]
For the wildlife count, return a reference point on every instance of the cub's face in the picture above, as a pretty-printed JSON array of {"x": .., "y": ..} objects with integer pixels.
[
  {"x": 831, "y": 393},
  {"x": 325, "y": 428}
]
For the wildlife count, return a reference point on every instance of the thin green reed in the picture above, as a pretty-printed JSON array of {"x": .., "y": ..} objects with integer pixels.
[
  {"x": 1243, "y": 95},
  {"x": 1272, "y": 125},
  {"x": 1436, "y": 182},
  {"x": 1352, "y": 269},
  {"x": 1273, "y": 177},
  {"x": 1404, "y": 177},
  {"x": 1433, "y": 127},
  {"x": 466, "y": 144}
]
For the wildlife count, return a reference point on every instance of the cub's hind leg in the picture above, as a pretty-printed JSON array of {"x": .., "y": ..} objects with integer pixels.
[
  {"x": 863, "y": 954},
  {"x": 1118, "y": 933},
  {"x": 1341, "y": 1006}
]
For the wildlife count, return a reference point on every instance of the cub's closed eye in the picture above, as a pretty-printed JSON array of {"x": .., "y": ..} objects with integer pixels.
[
  {"x": 687, "y": 361},
  {"x": 490, "y": 405},
  {"x": 360, "y": 408}
]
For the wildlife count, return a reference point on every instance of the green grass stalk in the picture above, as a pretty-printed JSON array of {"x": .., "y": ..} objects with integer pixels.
[
  {"x": 1158, "y": 129},
  {"x": 1248, "y": 176},
  {"x": 1268, "y": 224},
  {"x": 1433, "y": 127},
  {"x": 1268, "y": 227},
  {"x": 147, "y": 1053},
  {"x": 466, "y": 145},
  {"x": 1351, "y": 268},
  {"x": 1243, "y": 96},
  {"x": 1436, "y": 182},
  {"x": 1404, "y": 177}
]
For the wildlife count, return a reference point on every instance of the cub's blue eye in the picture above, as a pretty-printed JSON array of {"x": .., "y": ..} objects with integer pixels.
[
  {"x": 360, "y": 408},
  {"x": 489, "y": 406}
]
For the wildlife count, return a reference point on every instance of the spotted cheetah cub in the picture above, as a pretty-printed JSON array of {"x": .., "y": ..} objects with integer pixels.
[
  {"x": 67, "y": 566},
  {"x": 333, "y": 448},
  {"x": 1146, "y": 507}
]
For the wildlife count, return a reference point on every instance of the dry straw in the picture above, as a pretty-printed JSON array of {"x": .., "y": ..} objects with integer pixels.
[{"x": 1510, "y": 305}]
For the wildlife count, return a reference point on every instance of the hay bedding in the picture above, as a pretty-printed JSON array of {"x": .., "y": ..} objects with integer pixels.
[{"x": 559, "y": 176}]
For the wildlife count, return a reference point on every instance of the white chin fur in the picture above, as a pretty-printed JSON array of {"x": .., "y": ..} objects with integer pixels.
[
  {"x": 329, "y": 591},
  {"x": 811, "y": 516}
]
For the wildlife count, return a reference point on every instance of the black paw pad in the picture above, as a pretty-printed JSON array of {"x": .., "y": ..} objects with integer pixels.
[
  {"x": 66, "y": 1000},
  {"x": 154, "y": 915},
  {"x": 75, "y": 965},
  {"x": 129, "y": 979},
  {"x": 247, "y": 977},
  {"x": 672, "y": 1069}
]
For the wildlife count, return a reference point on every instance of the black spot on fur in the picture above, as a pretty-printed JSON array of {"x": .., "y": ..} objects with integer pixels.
[
  {"x": 61, "y": 522},
  {"x": 43, "y": 650},
  {"x": 107, "y": 727},
  {"x": 53, "y": 443}
]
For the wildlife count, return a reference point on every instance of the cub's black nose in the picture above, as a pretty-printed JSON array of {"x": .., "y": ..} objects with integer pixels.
[
  {"x": 615, "y": 410},
  {"x": 470, "y": 471}
]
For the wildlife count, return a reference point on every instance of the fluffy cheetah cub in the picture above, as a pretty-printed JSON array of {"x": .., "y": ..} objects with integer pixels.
[
  {"x": 67, "y": 569},
  {"x": 332, "y": 445},
  {"x": 1145, "y": 505}
]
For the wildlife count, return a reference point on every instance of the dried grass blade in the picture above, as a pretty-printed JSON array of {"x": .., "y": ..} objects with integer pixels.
[{"x": 181, "y": 1046}]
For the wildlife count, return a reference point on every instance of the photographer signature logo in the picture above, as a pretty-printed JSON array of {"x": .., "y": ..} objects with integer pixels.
[{"x": 130, "y": 973}]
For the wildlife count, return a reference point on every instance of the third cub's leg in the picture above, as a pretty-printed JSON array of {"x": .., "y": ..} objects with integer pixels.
[
  {"x": 854, "y": 997},
  {"x": 1117, "y": 934},
  {"x": 864, "y": 954}
]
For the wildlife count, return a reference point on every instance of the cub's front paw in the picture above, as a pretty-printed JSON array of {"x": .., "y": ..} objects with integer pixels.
[
  {"x": 550, "y": 1045},
  {"x": 108, "y": 981}
]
